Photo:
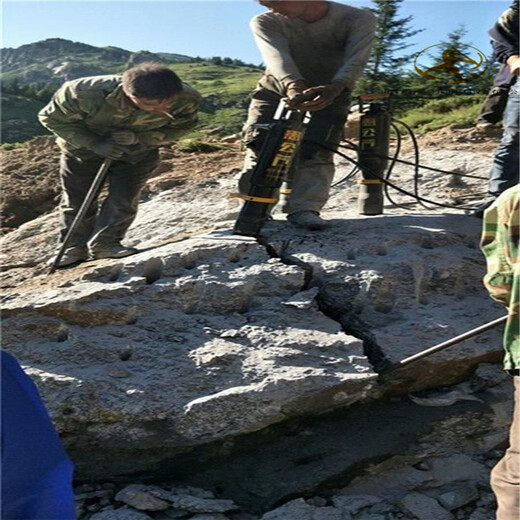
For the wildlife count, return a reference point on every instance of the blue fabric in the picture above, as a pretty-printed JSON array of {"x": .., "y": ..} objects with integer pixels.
[
  {"x": 36, "y": 473},
  {"x": 504, "y": 172}
]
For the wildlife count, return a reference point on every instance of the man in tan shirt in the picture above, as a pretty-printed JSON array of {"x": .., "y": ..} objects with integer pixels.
[{"x": 314, "y": 51}]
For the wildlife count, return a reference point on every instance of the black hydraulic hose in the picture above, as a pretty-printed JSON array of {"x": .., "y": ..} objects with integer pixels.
[
  {"x": 349, "y": 175},
  {"x": 458, "y": 174},
  {"x": 392, "y": 164},
  {"x": 416, "y": 173},
  {"x": 330, "y": 149}
]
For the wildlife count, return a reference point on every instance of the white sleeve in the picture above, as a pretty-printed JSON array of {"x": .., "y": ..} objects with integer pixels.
[
  {"x": 357, "y": 49},
  {"x": 274, "y": 47}
]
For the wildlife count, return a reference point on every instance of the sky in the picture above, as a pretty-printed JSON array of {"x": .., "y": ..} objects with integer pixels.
[{"x": 211, "y": 27}]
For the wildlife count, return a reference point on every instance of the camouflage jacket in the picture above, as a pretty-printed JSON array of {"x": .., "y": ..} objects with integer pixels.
[
  {"x": 500, "y": 246},
  {"x": 85, "y": 110}
]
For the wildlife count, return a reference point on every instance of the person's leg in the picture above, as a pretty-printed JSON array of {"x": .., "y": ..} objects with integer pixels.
[
  {"x": 314, "y": 171},
  {"x": 505, "y": 476},
  {"x": 76, "y": 177},
  {"x": 505, "y": 169},
  {"x": 36, "y": 476},
  {"x": 120, "y": 207}
]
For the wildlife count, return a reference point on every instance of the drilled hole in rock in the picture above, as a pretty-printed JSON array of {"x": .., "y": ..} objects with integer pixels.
[
  {"x": 427, "y": 242},
  {"x": 68, "y": 411},
  {"x": 63, "y": 335},
  {"x": 132, "y": 316},
  {"x": 153, "y": 270},
  {"x": 115, "y": 273},
  {"x": 125, "y": 354},
  {"x": 303, "y": 461}
]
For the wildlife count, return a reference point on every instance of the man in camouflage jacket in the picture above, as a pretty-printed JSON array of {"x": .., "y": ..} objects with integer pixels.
[
  {"x": 500, "y": 239},
  {"x": 124, "y": 118}
]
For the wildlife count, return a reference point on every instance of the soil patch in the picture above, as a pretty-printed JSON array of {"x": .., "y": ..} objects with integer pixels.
[{"x": 31, "y": 186}]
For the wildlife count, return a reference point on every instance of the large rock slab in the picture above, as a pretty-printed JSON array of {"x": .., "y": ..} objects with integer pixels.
[
  {"x": 178, "y": 346},
  {"x": 402, "y": 283},
  {"x": 201, "y": 338}
]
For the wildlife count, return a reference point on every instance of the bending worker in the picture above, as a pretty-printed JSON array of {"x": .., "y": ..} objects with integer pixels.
[
  {"x": 314, "y": 51},
  {"x": 125, "y": 118}
]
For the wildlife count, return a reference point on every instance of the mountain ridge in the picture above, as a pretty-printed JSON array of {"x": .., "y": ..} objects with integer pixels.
[
  {"x": 58, "y": 59},
  {"x": 31, "y": 73}
]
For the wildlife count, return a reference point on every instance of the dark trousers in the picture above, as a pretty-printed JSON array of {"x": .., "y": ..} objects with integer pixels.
[
  {"x": 105, "y": 226},
  {"x": 505, "y": 169}
]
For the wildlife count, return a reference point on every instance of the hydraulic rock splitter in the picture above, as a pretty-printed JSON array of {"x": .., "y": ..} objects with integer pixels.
[{"x": 275, "y": 161}]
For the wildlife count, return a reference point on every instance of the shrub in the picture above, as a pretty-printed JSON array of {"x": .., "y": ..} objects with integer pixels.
[{"x": 199, "y": 146}]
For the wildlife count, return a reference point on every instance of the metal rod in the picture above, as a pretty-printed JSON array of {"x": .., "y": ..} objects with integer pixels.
[
  {"x": 85, "y": 206},
  {"x": 448, "y": 343}
]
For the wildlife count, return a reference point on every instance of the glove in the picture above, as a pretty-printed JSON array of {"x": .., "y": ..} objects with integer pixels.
[
  {"x": 109, "y": 149},
  {"x": 125, "y": 137}
]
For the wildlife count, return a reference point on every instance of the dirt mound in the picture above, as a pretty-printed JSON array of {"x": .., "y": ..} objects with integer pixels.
[
  {"x": 31, "y": 186},
  {"x": 30, "y": 182},
  {"x": 463, "y": 138}
]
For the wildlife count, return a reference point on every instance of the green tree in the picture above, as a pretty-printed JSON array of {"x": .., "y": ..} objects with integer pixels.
[
  {"x": 457, "y": 43},
  {"x": 386, "y": 63}
]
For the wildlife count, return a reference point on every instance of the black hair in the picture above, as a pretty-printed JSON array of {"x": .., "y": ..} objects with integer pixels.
[{"x": 151, "y": 81}]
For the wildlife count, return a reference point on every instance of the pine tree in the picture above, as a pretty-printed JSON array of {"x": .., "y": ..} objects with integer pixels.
[
  {"x": 456, "y": 40},
  {"x": 386, "y": 62}
]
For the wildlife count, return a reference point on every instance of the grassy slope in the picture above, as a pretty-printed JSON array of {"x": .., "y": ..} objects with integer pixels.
[
  {"x": 226, "y": 89},
  {"x": 19, "y": 118},
  {"x": 438, "y": 113}
]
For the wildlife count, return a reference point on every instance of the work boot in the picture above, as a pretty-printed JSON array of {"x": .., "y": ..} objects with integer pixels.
[
  {"x": 71, "y": 255},
  {"x": 478, "y": 212},
  {"x": 310, "y": 220},
  {"x": 112, "y": 251}
]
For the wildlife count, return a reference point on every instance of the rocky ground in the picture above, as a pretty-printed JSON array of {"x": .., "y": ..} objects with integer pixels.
[{"x": 214, "y": 377}]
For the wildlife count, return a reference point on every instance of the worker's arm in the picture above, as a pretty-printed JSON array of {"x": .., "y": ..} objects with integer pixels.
[
  {"x": 180, "y": 124},
  {"x": 513, "y": 62},
  {"x": 64, "y": 116},
  {"x": 504, "y": 37},
  {"x": 274, "y": 47},
  {"x": 496, "y": 244},
  {"x": 357, "y": 50}
]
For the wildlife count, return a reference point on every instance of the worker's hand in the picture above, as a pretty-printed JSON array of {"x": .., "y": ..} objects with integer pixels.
[
  {"x": 514, "y": 64},
  {"x": 109, "y": 150},
  {"x": 320, "y": 97},
  {"x": 295, "y": 93},
  {"x": 125, "y": 137}
]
